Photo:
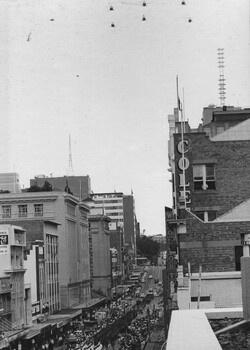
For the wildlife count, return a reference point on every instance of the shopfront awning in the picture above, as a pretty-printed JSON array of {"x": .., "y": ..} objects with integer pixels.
[
  {"x": 32, "y": 334},
  {"x": 90, "y": 304},
  {"x": 37, "y": 329},
  {"x": 10, "y": 336},
  {"x": 59, "y": 321}
]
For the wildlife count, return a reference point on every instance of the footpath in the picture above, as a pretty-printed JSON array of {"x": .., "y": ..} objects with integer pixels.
[{"x": 157, "y": 337}]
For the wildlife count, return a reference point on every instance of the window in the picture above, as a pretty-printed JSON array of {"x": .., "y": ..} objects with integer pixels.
[
  {"x": 206, "y": 215},
  {"x": 22, "y": 210},
  {"x": 6, "y": 209},
  {"x": 71, "y": 209},
  {"x": 204, "y": 177},
  {"x": 238, "y": 253},
  {"x": 38, "y": 209}
]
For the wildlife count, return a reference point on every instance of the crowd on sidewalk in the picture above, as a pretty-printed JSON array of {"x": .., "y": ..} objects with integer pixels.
[
  {"x": 133, "y": 335},
  {"x": 138, "y": 332}
]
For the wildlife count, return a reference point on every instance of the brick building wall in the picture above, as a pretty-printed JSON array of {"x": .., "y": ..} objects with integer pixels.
[
  {"x": 212, "y": 244},
  {"x": 232, "y": 171}
]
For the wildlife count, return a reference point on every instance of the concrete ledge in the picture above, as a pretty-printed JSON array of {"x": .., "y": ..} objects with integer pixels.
[
  {"x": 190, "y": 330},
  {"x": 217, "y": 275},
  {"x": 219, "y": 313}
]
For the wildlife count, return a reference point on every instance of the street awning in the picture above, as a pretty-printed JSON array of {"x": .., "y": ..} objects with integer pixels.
[
  {"x": 37, "y": 329},
  {"x": 59, "y": 321},
  {"x": 32, "y": 333}
]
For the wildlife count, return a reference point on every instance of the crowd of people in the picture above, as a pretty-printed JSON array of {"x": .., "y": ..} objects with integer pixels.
[
  {"x": 138, "y": 332},
  {"x": 124, "y": 325}
]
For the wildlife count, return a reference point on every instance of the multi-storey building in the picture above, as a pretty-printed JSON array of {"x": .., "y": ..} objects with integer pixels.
[
  {"x": 78, "y": 186},
  {"x": 15, "y": 300},
  {"x": 120, "y": 209},
  {"x": 41, "y": 263},
  {"x": 101, "y": 255},
  {"x": 65, "y": 245},
  {"x": 112, "y": 205},
  {"x": 117, "y": 246},
  {"x": 130, "y": 225},
  {"x": 210, "y": 169},
  {"x": 9, "y": 182}
]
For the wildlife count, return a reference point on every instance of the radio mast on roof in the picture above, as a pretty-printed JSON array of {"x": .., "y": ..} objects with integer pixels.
[
  {"x": 222, "y": 89},
  {"x": 70, "y": 170}
]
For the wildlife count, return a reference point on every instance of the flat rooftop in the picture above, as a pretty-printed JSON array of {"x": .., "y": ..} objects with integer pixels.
[{"x": 191, "y": 330}]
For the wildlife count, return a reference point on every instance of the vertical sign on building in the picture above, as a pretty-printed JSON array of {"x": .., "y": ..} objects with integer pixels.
[
  {"x": 183, "y": 164},
  {"x": 170, "y": 273},
  {"x": 4, "y": 242}
]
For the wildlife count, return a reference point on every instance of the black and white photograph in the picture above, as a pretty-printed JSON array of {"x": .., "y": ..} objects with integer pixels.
[{"x": 125, "y": 174}]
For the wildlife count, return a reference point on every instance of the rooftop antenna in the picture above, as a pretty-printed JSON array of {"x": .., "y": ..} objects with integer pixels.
[
  {"x": 222, "y": 89},
  {"x": 70, "y": 171}
]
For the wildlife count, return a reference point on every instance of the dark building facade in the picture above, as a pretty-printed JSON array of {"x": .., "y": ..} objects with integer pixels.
[
  {"x": 130, "y": 225},
  {"x": 79, "y": 186},
  {"x": 211, "y": 177}
]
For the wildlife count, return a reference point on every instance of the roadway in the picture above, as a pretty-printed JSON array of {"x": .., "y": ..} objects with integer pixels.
[{"x": 156, "y": 272}]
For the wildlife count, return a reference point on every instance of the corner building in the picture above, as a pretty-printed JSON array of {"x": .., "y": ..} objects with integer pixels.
[
  {"x": 211, "y": 177},
  {"x": 32, "y": 210}
]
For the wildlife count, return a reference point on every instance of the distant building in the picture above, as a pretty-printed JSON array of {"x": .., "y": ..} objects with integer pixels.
[
  {"x": 159, "y": 238},
  {"x": 10, "y": 182},
  {"x": 120, "y": 209},
  {"x": 117, "y": 244},
  {"x": 112, "y": 206},
  {"x": 78, "y": 186},
  {"x": 162, "y": 258},
  {"x": 99, "y": 231},
  {"x": 130, "y": 225}
]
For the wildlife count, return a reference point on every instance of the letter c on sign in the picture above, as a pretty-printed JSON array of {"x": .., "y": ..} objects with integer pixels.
[{"x": 181, "y": 146}]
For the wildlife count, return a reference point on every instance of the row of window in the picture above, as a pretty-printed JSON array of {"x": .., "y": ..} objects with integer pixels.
[
  {"x": 108, "y": 201},
  {"x": 22, "y": 210},
  {"x": 113, "y": 214}
]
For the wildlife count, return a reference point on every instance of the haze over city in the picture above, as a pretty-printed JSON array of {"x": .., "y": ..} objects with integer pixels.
[{"x": 64, "y": 70}]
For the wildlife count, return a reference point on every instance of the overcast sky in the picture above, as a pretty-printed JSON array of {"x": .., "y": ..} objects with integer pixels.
[{"x": 64, "y": 70}]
